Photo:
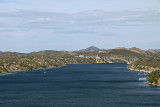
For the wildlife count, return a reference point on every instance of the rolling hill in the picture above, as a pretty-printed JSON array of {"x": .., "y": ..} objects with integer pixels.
[{"x": 13, "y": 61}]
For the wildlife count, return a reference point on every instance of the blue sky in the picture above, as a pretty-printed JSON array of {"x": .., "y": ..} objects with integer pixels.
[{"x": 34, "y": 25}]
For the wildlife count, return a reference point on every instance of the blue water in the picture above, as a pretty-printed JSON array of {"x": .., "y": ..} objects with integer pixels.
[{"x": 78, "y": 85}]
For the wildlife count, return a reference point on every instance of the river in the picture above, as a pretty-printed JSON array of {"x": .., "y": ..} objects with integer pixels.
[{"x": 78, "y": 85}]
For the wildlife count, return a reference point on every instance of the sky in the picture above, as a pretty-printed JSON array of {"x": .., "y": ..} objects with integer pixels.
[{"x": 34, "y": 25}]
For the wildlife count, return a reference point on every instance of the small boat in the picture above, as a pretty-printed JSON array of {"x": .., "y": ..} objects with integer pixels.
[
  {"x": 142, "y": 79},
  {"x": 142, "y": 73},
  {"x": 44, "y": 71},
  {"x": 145, "y": 73}
]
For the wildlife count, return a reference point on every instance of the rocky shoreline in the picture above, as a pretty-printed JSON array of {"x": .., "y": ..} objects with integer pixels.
[
  {"x": 140, "y": 68},
  {"x": 146, "y": 71}
]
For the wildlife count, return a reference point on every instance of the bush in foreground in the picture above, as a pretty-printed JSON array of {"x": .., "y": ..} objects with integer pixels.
[{"x": 154, "y": 77}]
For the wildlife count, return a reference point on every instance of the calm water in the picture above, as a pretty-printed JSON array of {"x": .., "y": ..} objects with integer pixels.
[{"x": 80, "y": 85}]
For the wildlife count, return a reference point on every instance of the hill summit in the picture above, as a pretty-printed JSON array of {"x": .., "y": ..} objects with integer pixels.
[{"x": 91, "y": 49}]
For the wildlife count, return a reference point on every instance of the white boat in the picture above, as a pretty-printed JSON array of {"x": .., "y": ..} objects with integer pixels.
[
  {"x": 44, "y": 71},
  {"x": 142, "y": 79}
]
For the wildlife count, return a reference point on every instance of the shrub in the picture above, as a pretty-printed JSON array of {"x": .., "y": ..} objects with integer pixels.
[{"x": 154, "y": 76}]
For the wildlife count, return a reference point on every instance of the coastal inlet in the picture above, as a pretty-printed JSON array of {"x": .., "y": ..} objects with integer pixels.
[{"x": 78, "y": 85}]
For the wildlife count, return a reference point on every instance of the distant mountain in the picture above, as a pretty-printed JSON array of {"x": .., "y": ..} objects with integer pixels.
[
  {"x": 0, "y": 52},
  {"x": 133, "y": 49},
  {"x": 153, "y": 50},
  {"x": 158, "y": 50},
  {"x": 91, "y": 49},
  {"x": 137, "y": 50}
]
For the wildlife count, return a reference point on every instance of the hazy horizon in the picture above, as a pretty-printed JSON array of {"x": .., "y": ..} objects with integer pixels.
[{"x": 30, "y": 25}]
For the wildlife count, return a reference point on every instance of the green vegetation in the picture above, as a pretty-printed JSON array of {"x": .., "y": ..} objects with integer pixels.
[
  {"x": 149, "y": 65},
  {"x": 3, "y": 70},
  {"x": 146, "y": 64},
  {"x": 11, "y": 61},
  {"x": 138, "y": 59},
  {"x": 123, "y": 52},
  {"x": 154, "y": 77}
]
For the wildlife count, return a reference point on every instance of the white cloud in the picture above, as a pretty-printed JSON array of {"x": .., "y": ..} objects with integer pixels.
[
  {"x": 135, "y": 23},
  {"x": 39, "y": 20},
  {"x": 84, "y": 22}
]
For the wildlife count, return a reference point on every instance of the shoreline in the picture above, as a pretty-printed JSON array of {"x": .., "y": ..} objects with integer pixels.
[
  {"x": 13, "y": 72},
  {"x": 68, "y": 64},
  {"x": 5, "y": 73},
  {"x": 139, "y": 70},
  {"x": 9, "y": 72},
  {"x": 152, "y": 84}
]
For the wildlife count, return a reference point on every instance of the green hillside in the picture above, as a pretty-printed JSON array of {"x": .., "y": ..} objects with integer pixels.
[{"x": 12, "y": 61}]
